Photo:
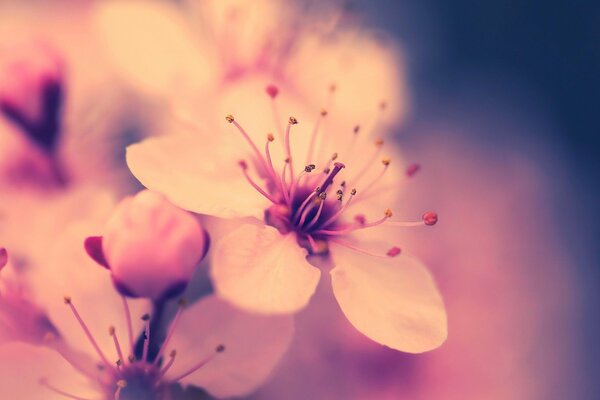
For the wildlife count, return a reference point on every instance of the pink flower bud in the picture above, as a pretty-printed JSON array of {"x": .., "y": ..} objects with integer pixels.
[
  {"x": 151, "y": 247},
  {"x": 32, "y": 91}
]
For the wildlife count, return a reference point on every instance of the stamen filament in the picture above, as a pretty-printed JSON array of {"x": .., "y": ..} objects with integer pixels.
[
  {"x": 45, "y": 383},
  {"x": 340, "y": 211},
  {"x": 258, "y": 154},
  {"x": 386, "y": 163},
  {"x": 358, "y": 249},
  {"x": 113, "y": 333},
  {"x": 201, "y": 364},
  {"x": 88, "y": 333},
  {"x": 170, "y": 333},
  {"x": 304, "y": 203},
  {"x": 288, "y": 149},
  {"x": 254, "y": 184},
  {"x": 317, "y": 215},
  {"x": 277, "y": 118},
  {"x": 405, "y": 224},
  {"x": 128, "y": 320},
  {"x": 368, "y": 164},
  {"x": 313, "y": 137},
  {"x": 169, "y": 364}
]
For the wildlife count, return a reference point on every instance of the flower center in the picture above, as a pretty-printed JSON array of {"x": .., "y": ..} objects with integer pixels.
[
  {"x": 311, "y": 204},
  {"x": 128, "y": 378}
]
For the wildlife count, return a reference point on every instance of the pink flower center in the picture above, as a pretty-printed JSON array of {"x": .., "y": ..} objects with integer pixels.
[{"x": 315, "y": 205}]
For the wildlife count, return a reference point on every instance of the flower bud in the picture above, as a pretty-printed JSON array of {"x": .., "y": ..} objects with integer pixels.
[
  {"x": 32, "y": 91},
  {"x": 150, "y": 246}
]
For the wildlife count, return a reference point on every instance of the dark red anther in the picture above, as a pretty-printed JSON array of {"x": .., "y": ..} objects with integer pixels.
[
  {"x": 360, "y": 219},
  {"x": 430, "y": 218},
  {"x": 272, "y": 91},
  {"x": 243, "y": 164},
  {"x": 393, "y": 252},
  {"x": 412, "y": 170}
]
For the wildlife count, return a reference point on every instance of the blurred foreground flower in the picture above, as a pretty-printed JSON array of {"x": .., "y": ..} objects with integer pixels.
[{"x": 116, "y": 369}]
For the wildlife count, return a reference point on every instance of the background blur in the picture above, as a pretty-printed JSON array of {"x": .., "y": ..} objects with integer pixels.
[{"x": 522, "y": 76}]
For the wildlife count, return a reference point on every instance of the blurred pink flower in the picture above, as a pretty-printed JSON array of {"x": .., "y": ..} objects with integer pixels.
[
  {"x": 194, "y": 50},
  {"x": 150, "y": 246},
  {"x": 254, "y": 345},
  {"x": 262, "y": 265}
]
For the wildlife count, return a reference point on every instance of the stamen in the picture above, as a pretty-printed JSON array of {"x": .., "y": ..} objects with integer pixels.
[
  {"x": 146, "y": 318},
  {"x": 87, "y": 332},
  {"x": 363, "y": 251},
  {"x": 259, "y": 157},
  {"x": 313, "y": 137},
  {"x": 341, "y": 210},
  {"x": 314, "y": 220},
  {"x": 244, "y": 165},
  {"x": 273, "y": 92},
  {"x": 369, "y": 163},
  {"x": 292, "y": 121},
  {"x": 171, "y": 331},
  {"x": 337, "y": 232},
  {"x": 275, "y": 178},
  {"x": 219, "y": 349},
  {"x": 308, "y": 198},
  {"x": 121, "y": 384},
  {"x": 164, "y": 370},
  {"x": 386, "y": 163},
  {"x": 44, "y": 382},
  {"x": 128, "y": 321},
  {"x": 112, "y": 332},
  {"x": 337, "y": 167}
]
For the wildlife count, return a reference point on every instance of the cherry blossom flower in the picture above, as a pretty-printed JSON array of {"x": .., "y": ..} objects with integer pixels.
[
  {"x": 326, "y": 211},
  {"x": 230, "y": 355},
  {"x": 213, "y": 44},
  {"x": 146, "y": 230}
]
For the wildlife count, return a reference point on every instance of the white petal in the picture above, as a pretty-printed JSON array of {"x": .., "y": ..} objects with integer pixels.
[
  {"x": 198, "y": 176},
  {"x": 259, "y": 269},
  {"x": 23, "y": 366},
  {"x": 156, "y": 53},
  {"x": 253, "y": 346},
  {"x": 393, "y": 301}
]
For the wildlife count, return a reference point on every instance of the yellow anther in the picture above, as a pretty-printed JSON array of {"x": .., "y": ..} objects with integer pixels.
[
  {"x": 293, "y": 121},
  {"x": 379, "y": 142},
  {"x": 323, "y": 112},
  {"x": 122, "y": 383},
  {"x": 229, "y": 118},
  {"x": 111, "y": 330},
  {"x": 270, "y": 137},
  {"x": 353, "y": 192},
  {"x": 386, "y": 161},
  {"x": 67, "y": 299},
  {"x": 173, "y": 353},
  {"x": 332, "y": 87},
  {"x": 382, "y": 105},
  {"x": 334, "y": 156},
  {"x": 388, "y": 213}
]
